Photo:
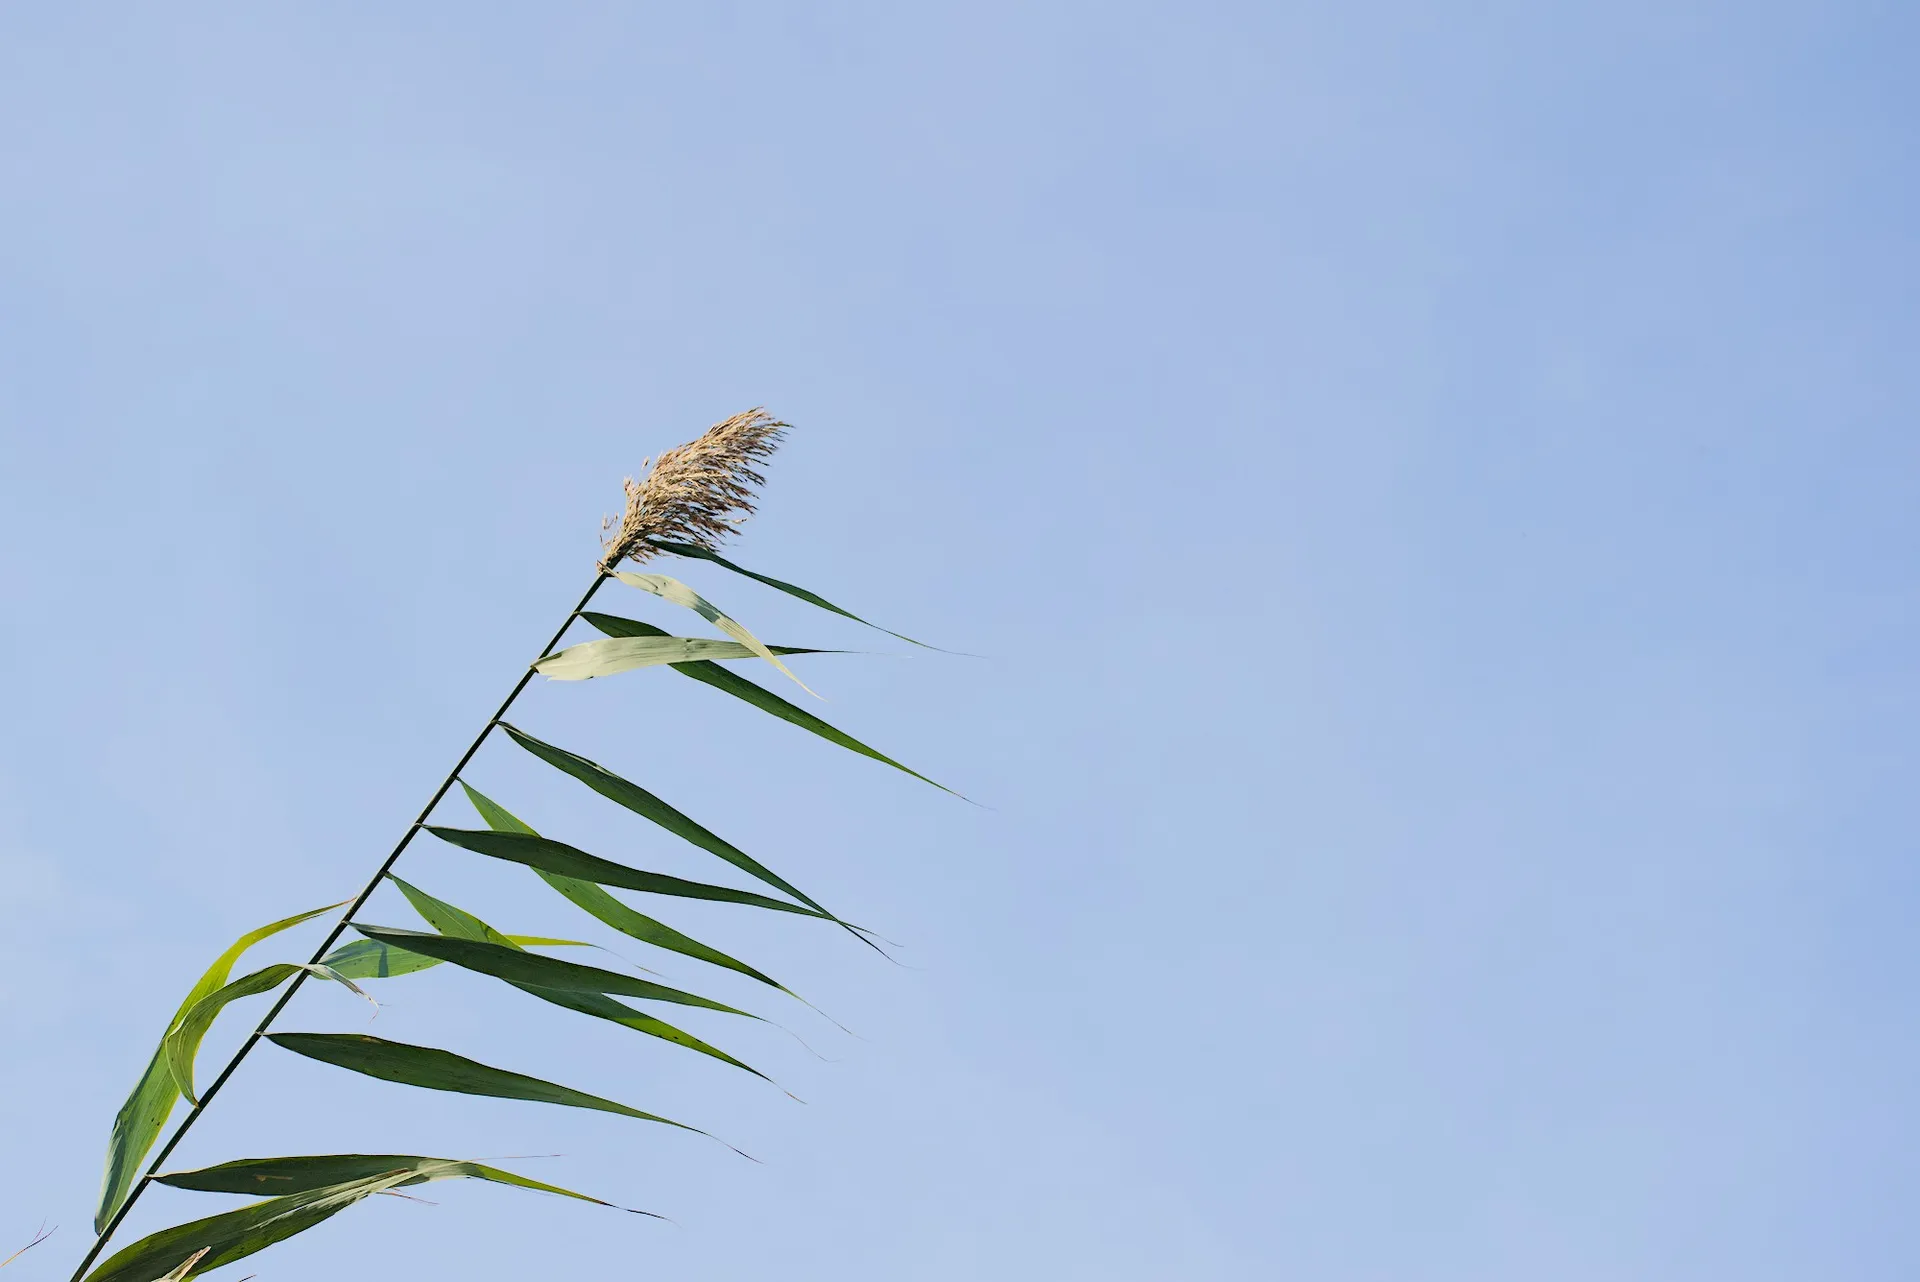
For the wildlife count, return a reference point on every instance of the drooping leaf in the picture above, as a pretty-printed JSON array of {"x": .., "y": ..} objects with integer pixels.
[
  {"x": 759, "y": 696},
  {"x": 216, "y": 976},
  {"x": 447, "y": 919},
  {"x": 306, "y": 1196},
  {"x": 599, "y": 902},
  {"x": 575, "y": 991},
  {"x": 567, "y": 861},
  {"x": 233, "y": 1235},
  {"x": 135, "y": 1128},
  {"x": 601, "y": 1006},
  {"x": 183, "y": 1043},
  {"x": 671, "y": 589},
  {"x": 138, "y": 1123},
  {"x": 689, "y": 550},
  {"x": 365, "y": 959},
  {"x": 436, "y": 1070},
  {"x": 531, "y": 970},
  {"x": 623, "y": 654},
  {"x": 648, "y": 806},
  {"x": 280, "y": 1176}
]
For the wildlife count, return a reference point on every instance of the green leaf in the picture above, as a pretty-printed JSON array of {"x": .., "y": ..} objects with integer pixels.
[
  {"x": 216, "y": 976},
  {"x": 234, "y": 1235},
  {"x": 645, "y": 804},
  {"x": 525, "y": 969},
  {"x": 437, "y": 1070},
  {"x": 311, "y": 1189},
  {"x": 689, "y": 550},
  {"x": 601, "y": 1006},
  {"x": 280, "y": 1176},
  {"x": 672, "y": 589},
  {"x": 498, "y": 817},
  {"x": 558, "y": 857},
  {"x": 624, "y": 654},
  {"x": 183, "y": 1043},
  {"x": 599, "y": 902},
  {"x": 573, "y": 987},
  {"x": 138, "y": 1123},
  {"x": 365, "y": 959},
  {"x": 740, "y": 688},
  {"x": 447, "y": 919},
  {"x": 135, "y": 1128}
]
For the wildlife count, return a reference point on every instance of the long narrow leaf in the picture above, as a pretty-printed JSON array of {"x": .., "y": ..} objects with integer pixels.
[
  {"x": 645, "y": 804},
  {"x": 601, "y": 1006},
  {"x": 671, "y": 589},
  {"x": 233, "y": 1235},
  {"x": 138, "y": 1123},
  {"x": 436, "y": 1070},
  {"x": 567, "y": 861},
  {"x": 624, "y": 654},
  {"x": 525, "y": 969},
  {"x": 689, "y": 550},
  {"x": 759, "y": 696},
  {"x": 601, "y": 903},
  {"x": 222, "y": 968},
  {"x": 446, "y": 918},
  {"x": 491, "y": 953},
  {"x": 311, "y": 1189},
  {"x": 183, "y": 1043},
  {"x": 135, "y": 1128},
  {"x": 365, "y": 959},
  {"x": 280, "y": 1176}
]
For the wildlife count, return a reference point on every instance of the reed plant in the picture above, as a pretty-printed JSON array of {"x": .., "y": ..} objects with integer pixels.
[{"x": 684, "y": 506}]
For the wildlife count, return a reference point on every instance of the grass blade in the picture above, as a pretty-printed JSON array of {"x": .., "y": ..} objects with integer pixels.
[
  {"x": 576, "y": 989},
  {"x": 558, "y": 857},
  {"x": 760, "y": 697},
  {"x": 309, "y": 1190},
  {"x": 135, "y": 1128},
  {"x": 445, "y": 918},
  {"x": 138, "y": 1123},
  {"x": 792, "y": 590},
  {"x": 671, "y": 589},
  {"x": 366, "y": 959},
  {"x": 183, "y": 1043},
  {"x": 234, "y": 1235},
  {"x": 280, "y": 1176},
  {"x": 600, "y": 903},
  {"x": 624, "y": 654},
  {"x": 433, "y": 1069},
  {"x": 531, "y": 970},
  {"x": 648, "y": 806}
]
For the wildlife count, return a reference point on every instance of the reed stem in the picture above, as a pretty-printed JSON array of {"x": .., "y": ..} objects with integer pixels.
[{"x": 339, "y": 927}]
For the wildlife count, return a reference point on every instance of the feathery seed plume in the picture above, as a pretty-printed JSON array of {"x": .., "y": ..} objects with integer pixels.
[{"x": 693, "y": 492}]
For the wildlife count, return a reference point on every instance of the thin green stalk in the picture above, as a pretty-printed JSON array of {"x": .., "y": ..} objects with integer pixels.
[{"x": 253, "y": 1038}]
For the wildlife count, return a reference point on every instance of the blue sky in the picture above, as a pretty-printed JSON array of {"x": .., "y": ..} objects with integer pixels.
[{"x": 1434, "y": 487}]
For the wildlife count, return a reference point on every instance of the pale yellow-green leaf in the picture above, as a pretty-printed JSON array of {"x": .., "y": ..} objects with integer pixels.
[{"x": 672, "y": 589}]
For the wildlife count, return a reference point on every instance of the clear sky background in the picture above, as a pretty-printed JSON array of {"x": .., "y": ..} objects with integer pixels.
[{"x": 1435, "y": 486}]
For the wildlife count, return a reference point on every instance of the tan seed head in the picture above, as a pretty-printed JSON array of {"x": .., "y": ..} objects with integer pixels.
[{"x": 696, "y": 493}]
